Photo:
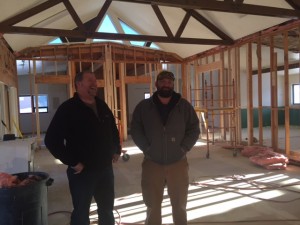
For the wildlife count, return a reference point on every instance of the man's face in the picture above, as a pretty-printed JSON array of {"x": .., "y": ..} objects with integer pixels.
[
  {"x": 165, "y": 87},
  {"x": 88, "y": 85}
]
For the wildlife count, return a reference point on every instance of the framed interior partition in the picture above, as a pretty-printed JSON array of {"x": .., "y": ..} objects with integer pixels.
[{"x": 214, "y": 97}]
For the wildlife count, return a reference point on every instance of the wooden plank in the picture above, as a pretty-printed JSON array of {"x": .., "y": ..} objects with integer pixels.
[
  {"x": 71, "y": 74},
  {"x": 95, "y": 52},
  {"x": 137, "y": 79},
  {"x": 273, "y": 86},
  {"x": 197, "y": 83},
  {"x": 37, "y": 114},
  {"x": 273, "y": 94},
  {"x": 177, "y": 79},
  {"x": 274, "y": 99},
  {"x": 114, "y": 91},
  {"x": 108, "y": 89},
  {"x": 185, "y": 90},
  {"x": 151, "y": 77},
  {"x": 259, "y": 80},
  {"x": 237, "y": 98},
  {"x": 100, "y": 83},
  {"x": 209, "y": 67},
  {"x": 51, "y": 79},
  {"x": 123, "y": 105},
  {"x": 221, "y": 93},
  {"x": 249, "y": 95},
  {"x": 286, "y": 95}
]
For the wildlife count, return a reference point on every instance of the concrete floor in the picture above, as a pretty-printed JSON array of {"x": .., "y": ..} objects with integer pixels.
[{"x": 223, "y": 190}]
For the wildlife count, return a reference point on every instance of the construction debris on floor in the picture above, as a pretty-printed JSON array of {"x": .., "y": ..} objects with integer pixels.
[{"x": 265, "y": 157}]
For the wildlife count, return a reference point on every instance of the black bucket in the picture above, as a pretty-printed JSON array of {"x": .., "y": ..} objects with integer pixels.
[{"x": 25, "y": 205}]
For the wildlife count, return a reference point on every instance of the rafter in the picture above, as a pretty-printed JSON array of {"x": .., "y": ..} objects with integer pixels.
[
  {"x": 294, "y": 3},
  {"x": 209, "y": 25},
  {"x": 109, "y": 36},
  {"x": 31, "y": 12},
  {"x": 162, "y": 21},
  {"x": 74, "y": 15},
  {"x": 88, "y": 30},
  {"x": 183, "y": 24},
  {"x": 100, "y": 15},
  {"x": 224, "y": 6}
]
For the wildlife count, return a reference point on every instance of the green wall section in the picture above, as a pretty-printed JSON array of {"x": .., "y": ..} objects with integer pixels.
[{"x": 294, "y": 117}]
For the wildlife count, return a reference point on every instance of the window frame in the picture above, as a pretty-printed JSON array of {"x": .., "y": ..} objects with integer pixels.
[
  {"x": 147, "y": 95},
  {"x": 41, "y": 109},
  {"x": 295, "y": 94}
]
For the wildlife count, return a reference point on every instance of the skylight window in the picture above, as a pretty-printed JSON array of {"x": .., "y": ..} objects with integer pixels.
[
  {"x": 107, "y": 27},
  {"x": 154, "y": 46},
  {"x": 55, "y": 41},
  {"x": 128, "y": 30}
]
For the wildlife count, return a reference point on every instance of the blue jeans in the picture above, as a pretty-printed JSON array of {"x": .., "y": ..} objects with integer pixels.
[{"x": 86, "y": 185}]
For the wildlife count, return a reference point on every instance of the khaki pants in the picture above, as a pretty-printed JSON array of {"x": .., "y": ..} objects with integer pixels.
[{"x": 154, "y": 179}]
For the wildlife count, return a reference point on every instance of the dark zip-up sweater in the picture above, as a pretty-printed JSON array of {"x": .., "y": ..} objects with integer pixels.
[{"x": 76, "y": 134}]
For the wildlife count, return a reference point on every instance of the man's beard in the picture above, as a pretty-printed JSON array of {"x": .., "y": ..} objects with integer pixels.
[{"x": 165, "y": 93}]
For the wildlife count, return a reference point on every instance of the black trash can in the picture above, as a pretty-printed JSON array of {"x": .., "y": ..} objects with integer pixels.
[{"x": 25, "y": 205}]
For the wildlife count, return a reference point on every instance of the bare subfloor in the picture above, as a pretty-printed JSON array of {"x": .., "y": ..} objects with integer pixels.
[{"x": 223, "y": 190}]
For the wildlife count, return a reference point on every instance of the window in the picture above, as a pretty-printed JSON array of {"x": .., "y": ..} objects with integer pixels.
[
  {"x": 154, "y": 46},
  {"x": 55, "y": 41},
  {"x": 128, "y": 30},
  {"x": 147, "y": 95},
  {"x": 28, "y": 104},
  {"x": 296, "y": 93},
  {"x": 108, "y": 27},
  {"x": 25, "y": 104},
  {"x": 43, "y": 103}
]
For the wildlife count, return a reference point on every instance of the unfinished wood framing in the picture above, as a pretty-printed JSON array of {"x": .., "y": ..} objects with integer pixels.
[
  {"x": 8, "y": 70},
  {"x": 249, "y": 95},
  {"x": 8, "y": 91},
  {"x": 115, "y": 66},
  {"x": 285, "y": 39},
  {"x": 118, "y": 65},
  {"x": 37, "y": 113},
  {"x": 259, "y": 83},
  {"x": 286, "y": 95},
  {"x": 214, "y": 101}
]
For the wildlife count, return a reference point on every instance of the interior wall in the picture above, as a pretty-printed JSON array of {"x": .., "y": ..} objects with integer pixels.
[
  {"x": 135, "y": 93},
  {"x": 8, "y": 90},
  {"x": 57, "y": 93}
]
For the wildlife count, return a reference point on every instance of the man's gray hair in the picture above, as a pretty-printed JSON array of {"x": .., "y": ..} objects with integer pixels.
[{"x": 79, "y": 77}]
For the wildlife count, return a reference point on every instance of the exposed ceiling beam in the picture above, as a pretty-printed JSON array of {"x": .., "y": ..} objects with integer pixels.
[
  {"x": 84, "y": 31},
  {"x": 183, "y": 24},
  {"x": 224, "y": 6},
  {"x": 209, "y": 25},
  {"x": 108, "y": 36},
  {"x": 162, "y": 21},
  {"x": 294, "y": 3},
  {"x": 100, "y": 15},
  {"x": 279, "y": 68},
  {"x": 31, "y": 12},
  {"x": 74, "y": 15}
]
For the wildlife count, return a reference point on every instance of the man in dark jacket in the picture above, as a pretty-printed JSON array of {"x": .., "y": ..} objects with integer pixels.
[
  {"x": 84, "y": 136},
  {"x": 165, "y": 127}
]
